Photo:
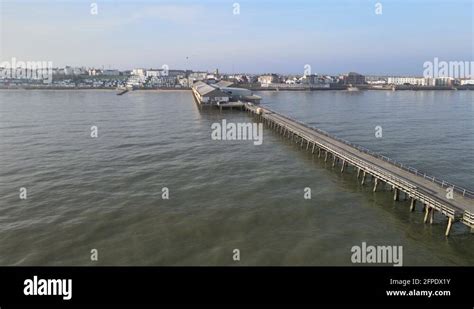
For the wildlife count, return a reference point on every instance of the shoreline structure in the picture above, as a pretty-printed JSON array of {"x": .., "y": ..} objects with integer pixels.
[
  {"x": 360, "y": 87},
  {"x": 435, "y": 195}
]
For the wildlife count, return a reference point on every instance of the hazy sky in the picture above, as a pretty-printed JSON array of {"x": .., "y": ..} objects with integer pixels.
[{"x": 267, "y": 36}]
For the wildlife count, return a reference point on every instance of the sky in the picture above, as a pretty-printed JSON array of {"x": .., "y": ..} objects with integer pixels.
[{"x": 276, "y": 36}]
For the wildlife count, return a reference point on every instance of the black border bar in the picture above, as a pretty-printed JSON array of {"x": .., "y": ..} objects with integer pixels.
[{"x": 240, "y": 285}]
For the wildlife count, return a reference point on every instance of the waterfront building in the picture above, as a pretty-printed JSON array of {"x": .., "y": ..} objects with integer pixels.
[
  {"x": 376, "y": 80},
  {"x": 293, "y": 80},
  {"x": 315, "y": 79},
  {"x": 136, "y": 81},
  {"x": 196, "y": 76},
  {"x": 353, "y": 78},
  {"x": 268, "y": 79},
  {"x": 209, "y": 95},
  {"x": 330, "y": 79},
  {"x": 139, "y": 72},
  {"x": 162, "y": 81},
  {"x": 416, "y": 81},
  {"x": 153, "y": 73},
  {"x": 444, "y": 81},
  {"x": 467, "y": 82}
]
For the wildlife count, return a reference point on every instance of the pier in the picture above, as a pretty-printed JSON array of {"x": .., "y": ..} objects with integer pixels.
[{"x": 455, "y": 203}]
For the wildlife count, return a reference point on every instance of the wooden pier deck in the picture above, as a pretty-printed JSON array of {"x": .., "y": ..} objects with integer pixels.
[{"x": 456, "y": 203}]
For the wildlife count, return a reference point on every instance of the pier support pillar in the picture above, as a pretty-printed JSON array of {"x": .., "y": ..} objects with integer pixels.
[
  {"x": 358, "y": 172},
  {"x": 376, "y": 182},
  {"x": 307, "y": 145},
  {"x": 343, "y": 165},
  {"x": 363, "y": 178},
  {"x": 319, "y": 152},
  {"x": 326, "y": 157},
  {"x": 314, "y": 145},
  {"x": 396, "y": 194},
  {"x": 334, "y": 161},
  {"x": 448, "y": 229},
  {"x": 427, "y": 213},
  {"x": 432, "y": 215},
  {"x": 412, "y": 204}
]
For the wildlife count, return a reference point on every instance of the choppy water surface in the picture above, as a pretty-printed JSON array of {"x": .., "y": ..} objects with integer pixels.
[{"x": 105, "y": 193}]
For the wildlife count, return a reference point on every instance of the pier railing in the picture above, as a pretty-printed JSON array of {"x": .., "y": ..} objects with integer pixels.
[{"x": 443, "y": 183}]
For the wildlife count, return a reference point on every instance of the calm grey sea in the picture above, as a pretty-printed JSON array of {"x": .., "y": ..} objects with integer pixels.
[{"x": 104, "y": 193}]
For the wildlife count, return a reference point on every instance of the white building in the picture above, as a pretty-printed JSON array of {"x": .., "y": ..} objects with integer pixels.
[
  {"x": 291, "y": 81},
  {"x": 268, "y": 79},
  {"x": 418, "y": 81},
  {"x": 138, "y": 72},
  {"x": 153, "y": 73},
  {"x": 377, "y": 82},
  {"x": 184, "y": 82},
  {"x": 163, "y": 81},
  {"x": 467, "y": 82},
  {"x": 196, "y": 76},
  {"x": 136, "y": 80}
]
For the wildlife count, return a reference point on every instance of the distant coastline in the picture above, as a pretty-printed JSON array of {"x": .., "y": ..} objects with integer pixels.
[
  {"x": 91, "y": 88},
  {"x": 255, "y": 88}
]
